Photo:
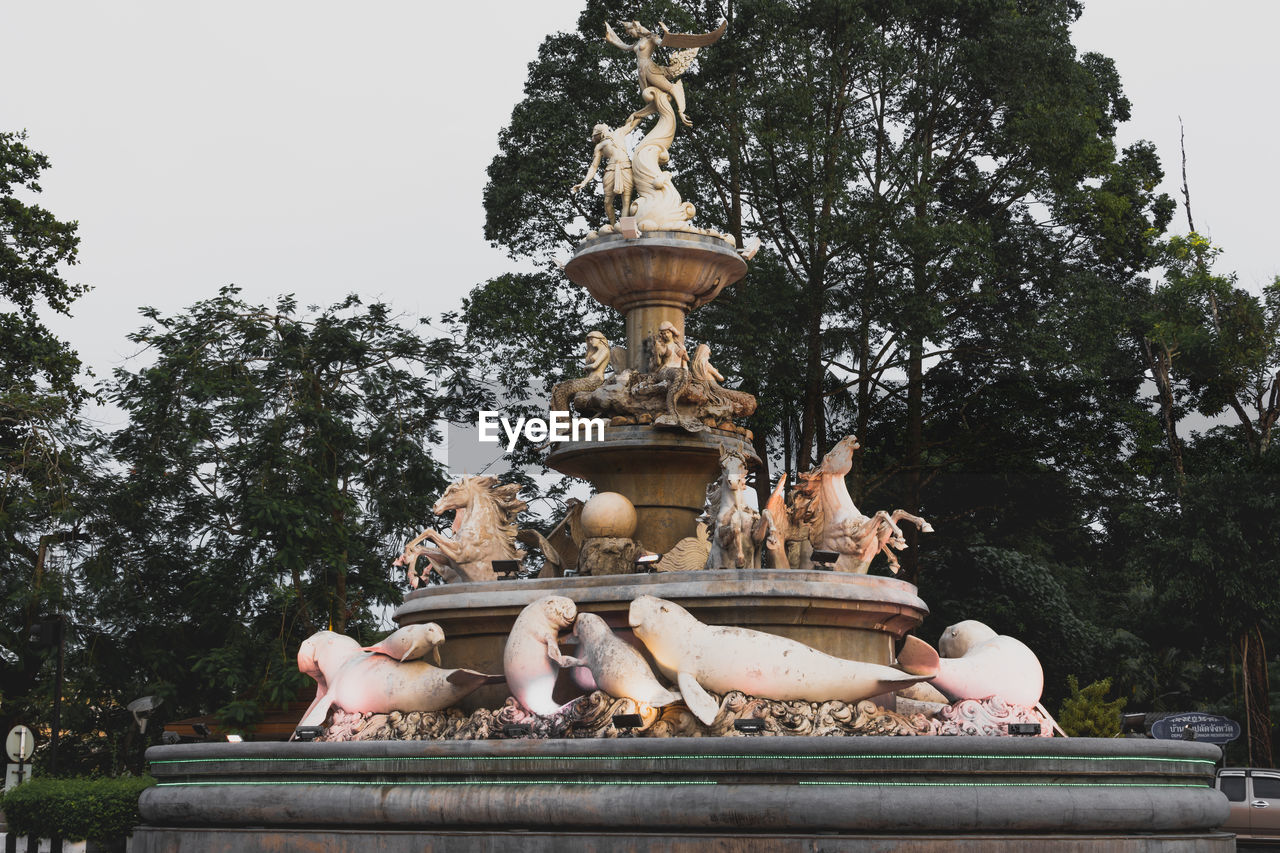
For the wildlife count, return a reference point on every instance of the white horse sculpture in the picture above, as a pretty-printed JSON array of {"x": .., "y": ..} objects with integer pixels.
[
  {"x": 484, "y": 530},
  {"x": 736, "y": 530},
  {"x": 837, "y": 525}
]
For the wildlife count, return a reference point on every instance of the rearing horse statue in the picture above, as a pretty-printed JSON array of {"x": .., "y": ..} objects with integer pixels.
[
  {"x": 484, "y": 530},
  {"x": 837, "y": 525},
  {"x": 736, "y": 530}
]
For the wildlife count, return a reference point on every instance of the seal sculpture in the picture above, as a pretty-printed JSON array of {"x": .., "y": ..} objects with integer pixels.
[
  {"x": 411, "y": 643},
  {"x": 532, "y": 657},
  {"x": 366, "y": 682},
  {"x": 717, "y": 658},
  {"x": 617, "y": 668},
  {"x": 976, "y": 663}
]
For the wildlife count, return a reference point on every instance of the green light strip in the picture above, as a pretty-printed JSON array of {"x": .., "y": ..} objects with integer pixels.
[
  {"x": 433, "y": 784},
  {"x": 1012, "y": 784},
  {"x": 711, "y": 757},
  {"x": 691, "y": 782}
]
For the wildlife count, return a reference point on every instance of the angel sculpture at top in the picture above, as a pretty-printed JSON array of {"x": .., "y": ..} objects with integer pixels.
[
  {"x": 665, "y": 78},
  {"x": 649, "y": 198}
]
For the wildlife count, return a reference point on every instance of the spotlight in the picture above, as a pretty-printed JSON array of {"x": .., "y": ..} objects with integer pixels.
[
  {"x": 234, "y": 739},
  {"x": 169, "y": 738},
  {"x": 1133, "y": 723},
  {"x": 749, "y": 725},
  {"x": 509, "y": 569},
  {"x": 201, "y": 729},
  {"x": 1024, "y": 728},
  {"x": 824, "y": 560},
  {"x": 569, "y": 573},
  {"x": 514, "y": 730},
  {"x": 306, "y": 734},
  {"x": 647, "y": 563},
  {"x": 1188, "y": 733},
  {"x": 627, "y": 723}
]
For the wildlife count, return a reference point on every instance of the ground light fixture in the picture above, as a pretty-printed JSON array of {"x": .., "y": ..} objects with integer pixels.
[
  {"x": 824, "y": 560},
  {"x": 1133, "y": 723},
  {"x": 201, "y": 729},
  {"x": 234, "y": 739},
  {"x": 749, "y": 725},
  {"x": 514, "y": 730},
  {"x": 627, "y": 723},
  {"x": 647, "y": 563},
  {"x": 307, "y": 734},
  {"x": 509, "y": 569},
  {"x": 1024, "y": 728}
]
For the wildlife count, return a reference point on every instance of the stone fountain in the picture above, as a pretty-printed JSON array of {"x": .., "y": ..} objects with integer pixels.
[{"x": 611, "y": 700}]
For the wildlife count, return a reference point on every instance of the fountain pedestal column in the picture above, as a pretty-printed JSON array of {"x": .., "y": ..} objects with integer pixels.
[
  {"x": 659, "y": 277},
  {"x": 653, "y": 279}
]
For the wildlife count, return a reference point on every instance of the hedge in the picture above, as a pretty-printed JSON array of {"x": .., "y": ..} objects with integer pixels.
[{"x": 100, "y": 810}]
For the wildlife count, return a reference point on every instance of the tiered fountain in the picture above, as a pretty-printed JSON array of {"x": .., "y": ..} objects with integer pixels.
[{"x": 588, "y": 746}]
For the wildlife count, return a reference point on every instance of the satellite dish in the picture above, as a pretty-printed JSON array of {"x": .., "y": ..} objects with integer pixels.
[{"x": 141, "y": 708}]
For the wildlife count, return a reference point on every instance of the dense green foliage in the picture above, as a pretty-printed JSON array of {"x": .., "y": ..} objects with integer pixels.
[
  {"x": 276, "y": 462},
  {"x": 101, "y": 810},
  {"x": 1087, "y": 713},
  {"x": 42, "y": 469},
  {"x": 951, "y": 238}
]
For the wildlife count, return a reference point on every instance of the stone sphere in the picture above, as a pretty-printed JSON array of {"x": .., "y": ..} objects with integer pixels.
[{"x": 608, "y": 514}]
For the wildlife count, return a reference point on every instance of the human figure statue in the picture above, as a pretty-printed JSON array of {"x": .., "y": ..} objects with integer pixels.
[
  {"x": 725, "y": 402},
  {"x": 664, "y": 78},
  {"x": 671, "y": 367},
  {"x": 611, "y": 149},
  {"x": 596, "y": 359}
]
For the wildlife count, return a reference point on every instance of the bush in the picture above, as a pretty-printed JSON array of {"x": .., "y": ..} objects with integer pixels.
[
  {"x": 100, "y": 810},
  {"x": 1087, "y": 713}
]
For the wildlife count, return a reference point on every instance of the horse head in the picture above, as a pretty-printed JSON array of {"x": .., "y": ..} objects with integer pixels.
[
  {"x": 733, "y": 470},
  {"x": 839, "y": 459},
  {"x": 463, "y": 493}
]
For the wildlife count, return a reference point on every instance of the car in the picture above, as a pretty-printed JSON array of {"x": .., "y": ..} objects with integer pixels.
[{"x": 1254, "y": 795}]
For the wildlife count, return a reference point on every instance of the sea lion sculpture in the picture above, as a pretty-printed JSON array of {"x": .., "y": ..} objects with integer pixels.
[
  {"x": 700, "y": 657},
  {"x": 532, "y": 657},
  {"x": 411, "y": 643},
  {"x": 974, "y": 662},
  {"x": 366, "y": 682},
  {"x": 616, "y": 667}
]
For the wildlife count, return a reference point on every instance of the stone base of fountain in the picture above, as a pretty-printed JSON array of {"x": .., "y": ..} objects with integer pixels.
[{"x": 903, "y": 794}]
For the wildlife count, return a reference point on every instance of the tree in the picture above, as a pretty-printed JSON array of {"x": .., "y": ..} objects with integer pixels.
[
  {"x": 40, "y": 399},
  {"x": 1213, "y": 349},
  {"x": 952, "y": 239},
  {"x": 1086, "y": 713},
  {"x": 276, "y": 460}
]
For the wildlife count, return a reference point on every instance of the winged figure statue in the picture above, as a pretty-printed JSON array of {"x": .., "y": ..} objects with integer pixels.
[{"x": 665, "y": 78}]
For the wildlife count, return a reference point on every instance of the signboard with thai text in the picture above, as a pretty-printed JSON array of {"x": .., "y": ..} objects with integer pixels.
[{"x": 1209, "y": 728}]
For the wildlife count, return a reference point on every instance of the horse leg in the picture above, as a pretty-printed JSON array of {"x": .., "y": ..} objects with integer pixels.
[
  {"x": 761, "y": 528},
  {"x": 924, "y": 526},
  {"x": 893, "y": 561},
  {"x": 448, "y": 547}
]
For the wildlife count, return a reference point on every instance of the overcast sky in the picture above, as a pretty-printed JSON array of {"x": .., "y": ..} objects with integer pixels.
[{"x": 321, "y": 148}]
